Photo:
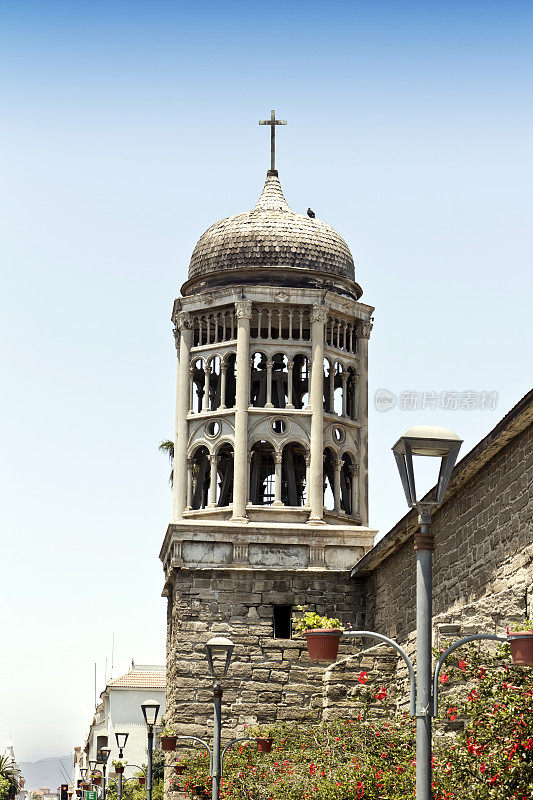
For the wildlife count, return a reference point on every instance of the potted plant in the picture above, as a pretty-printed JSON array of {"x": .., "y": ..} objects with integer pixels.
[
  {"x": 96, "y": 778},
  {"x": 142, "y": 780},
  {"x": 322, "y": 635},
  {"x": 119, "y": 767},
  {"x": 263, "y": 735},
  {"x": 169, "y": 738},
  {"x": 521, "y": 641},
  {"x": 179, "y": 769}
]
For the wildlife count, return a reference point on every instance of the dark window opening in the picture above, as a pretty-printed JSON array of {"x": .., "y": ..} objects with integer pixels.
[{"x": 282, "y": 622}]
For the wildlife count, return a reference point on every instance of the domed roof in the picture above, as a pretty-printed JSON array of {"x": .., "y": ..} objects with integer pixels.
[{"x": 271, "y": 235}]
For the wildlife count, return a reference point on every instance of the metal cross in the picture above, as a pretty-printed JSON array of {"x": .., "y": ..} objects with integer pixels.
[{"x": 273, "y": 122}]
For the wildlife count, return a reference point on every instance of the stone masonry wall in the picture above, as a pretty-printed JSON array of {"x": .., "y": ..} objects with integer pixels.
[
  {"x": 483, "y": 561},
  {"x": 270, "y": 680}
]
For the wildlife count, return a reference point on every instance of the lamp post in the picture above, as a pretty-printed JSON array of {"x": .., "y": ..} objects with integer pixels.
[
  {"x": 218, "y": 651},
  {"x": 150, "y": 711},
  {"x": 92, "y": 766},
  {"x": 102, "y": 756},
  {"x": 121, "y": 739},
  {"x": 432, "y": 442}
]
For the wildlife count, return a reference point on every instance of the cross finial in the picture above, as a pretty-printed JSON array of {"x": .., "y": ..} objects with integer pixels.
[{"x": 273, "y": 122}]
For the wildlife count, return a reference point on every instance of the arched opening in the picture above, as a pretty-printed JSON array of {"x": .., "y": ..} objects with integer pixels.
[
  {"x": 262, "y": 474},
  {"x": 258, "y": 380},
  {"x": 346, "y": 484},
  {"x": 339, "y": 379},
  {"x": 200, "y": 478},
  {"x": 293, "y": 475},
  {"x": 328, "y": 383},
  {"x": 225, "y": 475},
  {"x": 351, "y": 394},
  {"x": 300, "y": 381},
  {"x": 214, "y": 383},
  {"x": 280, "y": 380},
  {"x": 329, "y": 480},
  {"x": 230, "y": 380},
  {"x": 197, "y": 384}
]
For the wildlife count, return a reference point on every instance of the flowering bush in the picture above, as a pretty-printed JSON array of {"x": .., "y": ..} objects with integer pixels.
[
  {"x": 374, "y": 759},
  {"x": 310, "y": 620}
]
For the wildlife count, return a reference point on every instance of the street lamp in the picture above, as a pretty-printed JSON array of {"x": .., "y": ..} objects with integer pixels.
[
  {"x": 102, "y": 756},
  {"x": 432, "y": 442},
  {"x": 83, "y": 773},
  {"x": 219, "y": 651},
  {"x": 121, "y": 739},
  {"x": 150, "y": 711}
]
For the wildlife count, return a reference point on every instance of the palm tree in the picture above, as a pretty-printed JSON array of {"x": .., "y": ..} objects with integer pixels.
[
  {"x": 168, "y": 447},
  {"x": 10, "y": 774}
]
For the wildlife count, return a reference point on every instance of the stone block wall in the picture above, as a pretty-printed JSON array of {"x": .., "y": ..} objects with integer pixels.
[
  {"x": 483, "y": 561},
  {"x": 270, "y": 680}
]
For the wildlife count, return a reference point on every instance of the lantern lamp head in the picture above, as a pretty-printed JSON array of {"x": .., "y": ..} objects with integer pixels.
[
  {"x": 121, "y": 738},
  {"x": 93, "y": 765},
  {"x": 426, "y": 440},
  {"x": 103, "y": 754},
  {"x": 150, "y": 711},
  {"x": 217, "y": 649},
  {"x": 83, "y": 773}
]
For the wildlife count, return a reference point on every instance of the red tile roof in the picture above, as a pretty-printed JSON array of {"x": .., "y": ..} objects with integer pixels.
[{"x": 141, "y": 679}]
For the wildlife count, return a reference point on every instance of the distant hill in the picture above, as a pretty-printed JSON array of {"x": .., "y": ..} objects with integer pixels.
[{"x": 46, "y": 772}]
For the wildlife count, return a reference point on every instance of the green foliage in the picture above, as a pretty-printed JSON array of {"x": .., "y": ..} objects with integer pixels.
[
  {"x": 167, "y": 447},
  {"x": 374, "y": 758},
  {"x": 9, "y": 778},
  {"x": 526, "y": 625},
  {"x": 310, "y": 621}
]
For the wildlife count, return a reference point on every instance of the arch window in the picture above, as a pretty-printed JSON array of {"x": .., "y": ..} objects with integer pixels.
[
  {"x": 294, "y": 475},
  {"x": 228, "y": 381},
  {"x": 279, "y": 381},
  {"x": 300, "y": 381},
  {"x": 262, "y": 474},
  {"x": 199, "y": 479},
  {"x": 224, "y": 467},
  {"x": 197, "y": 385},
  {"x": 214, "y": 382},
  {"x": 258, "y": 380},
  {"x": 351, "y": 403},
  {"x": 329, "y": 480}
]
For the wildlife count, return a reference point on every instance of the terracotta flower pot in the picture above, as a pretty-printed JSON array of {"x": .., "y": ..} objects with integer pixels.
[
  {"x": 323, "y": 644},
  {"x": 264, "y": 745},
  {"x": 179, "y": 769},
  {"x": 142, "y": 781},
  {"x": 97, "y": 781},
  {"x": 168, "y": 742},
  {"x": 522, "y": 647},
  {"x": 119, "y": 770}
]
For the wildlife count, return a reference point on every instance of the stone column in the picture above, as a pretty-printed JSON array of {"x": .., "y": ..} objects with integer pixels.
[
  {"x": 189, "y": 483},
  {"x": 223, "y": 371},
  {"x": 363, "y": 334},
  {"x": 344, "y": 392},
  {"x": 356, "y": 380},
  {"x": 191, "y": 388},
  {"x": 319, "y": 316},
  {"x": 184, "y": 324},
  {"x": 307, "y": 477},
  {"x": 337, "y": 467},
  {"x": 213, "y": 481},
  {"x": 268, "y": 403},
  {"x": 290, "y": 367},
  {"x": 207, "y": 375},
  {"x": 277, "y": 484},
  {"x": 354, "y": 473},
  {"x": 332, "y": 388},
  {"x": 243, "y": 311}
]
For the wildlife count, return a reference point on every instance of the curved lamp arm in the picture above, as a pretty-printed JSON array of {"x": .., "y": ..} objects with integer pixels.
[
  {"x": 227, "y": 747},
  {"x": 137, "y": 767},
  {"x": 204, "y": 744},
  {"x": 444, "y": 656},
  {"x": 401, "y": 651}
]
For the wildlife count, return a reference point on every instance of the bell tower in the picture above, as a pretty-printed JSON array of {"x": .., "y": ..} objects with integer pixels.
[{"x": 270, "y": 467}]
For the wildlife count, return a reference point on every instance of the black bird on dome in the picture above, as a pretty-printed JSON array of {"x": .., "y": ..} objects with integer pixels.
[{"x": 310, "y": 213}]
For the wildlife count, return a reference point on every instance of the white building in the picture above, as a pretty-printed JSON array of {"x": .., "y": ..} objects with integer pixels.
[{"x": 120, "y": 712}]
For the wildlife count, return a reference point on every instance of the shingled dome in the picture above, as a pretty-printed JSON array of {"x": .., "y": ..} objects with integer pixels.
[{"x": 269, "y": 238}]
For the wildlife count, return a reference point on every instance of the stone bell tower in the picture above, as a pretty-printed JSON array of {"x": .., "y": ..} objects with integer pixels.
[{"x": 270, "y": 467}]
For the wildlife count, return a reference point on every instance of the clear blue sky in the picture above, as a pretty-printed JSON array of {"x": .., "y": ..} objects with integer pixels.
[{"x": 127, "y": 129}]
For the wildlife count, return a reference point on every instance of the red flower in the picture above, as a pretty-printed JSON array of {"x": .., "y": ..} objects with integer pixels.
[
  {"x": 363, "y": 677},
  {"x": 451, "y": 713},
  {"x": 444, "y": 678},
  {"x": 463, "y": 664},
  {"x": 382, "y": 694}
]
